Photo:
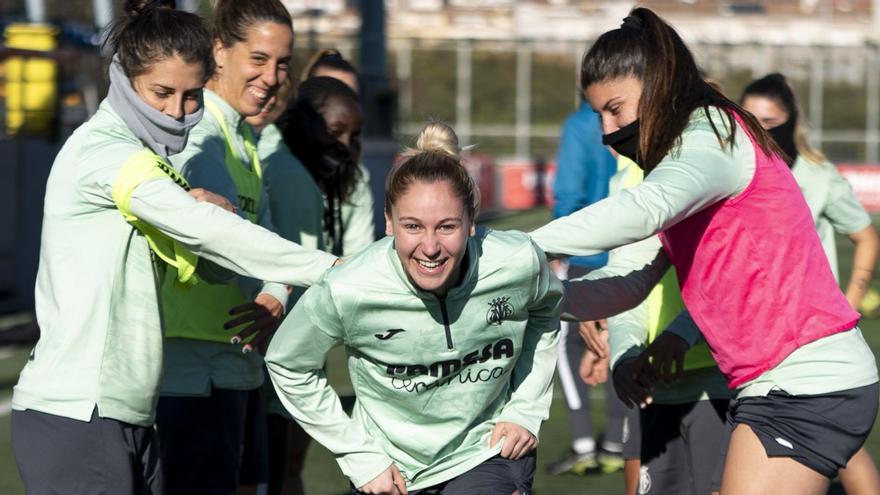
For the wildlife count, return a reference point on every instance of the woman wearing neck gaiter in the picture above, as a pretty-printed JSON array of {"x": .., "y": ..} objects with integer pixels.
[
  {"x": 84, "y": 405},
  {"x": 208, "y": 372}
]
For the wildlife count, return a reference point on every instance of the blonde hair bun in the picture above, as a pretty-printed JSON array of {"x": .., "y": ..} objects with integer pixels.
[{"x": 437, "y": 136}]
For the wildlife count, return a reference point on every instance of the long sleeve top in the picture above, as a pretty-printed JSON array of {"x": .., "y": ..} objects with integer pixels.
[
  {"x": 583, "y": 168},
  {"x": 432, "y": 375},
  {"x": 96, "y": 297}
]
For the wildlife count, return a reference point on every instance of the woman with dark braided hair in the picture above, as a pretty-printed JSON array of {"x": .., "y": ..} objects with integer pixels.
[
  {"x": 117, "y": 219},
  {"x": 323, "y": 131},
  {"x": 357, "y": 212},
  {"x": 751, "y": 268}
]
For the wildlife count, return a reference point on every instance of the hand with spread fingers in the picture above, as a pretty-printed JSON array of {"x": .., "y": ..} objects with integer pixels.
[
  {"x": 632, "y": 387},
  {"x": 665, "y": 352},
  {"x": 264, "y": 314},
  {"x": 592, "y": 333},
  {"x": 206, "y": 196},
  {"x": 390, "y": 482},
  {"x": 518, "y": 441}
]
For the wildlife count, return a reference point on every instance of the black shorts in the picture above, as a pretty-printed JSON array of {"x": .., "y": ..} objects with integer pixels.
[
  {"x": 821, "y": 432},
  {"x": 681, "y": 447},
  {"x": 56, "y": 454},
  {"x": 495, "y": 476}
]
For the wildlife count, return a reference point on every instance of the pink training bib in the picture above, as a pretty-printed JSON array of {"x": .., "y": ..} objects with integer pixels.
[{"x": 754, "y": 275}]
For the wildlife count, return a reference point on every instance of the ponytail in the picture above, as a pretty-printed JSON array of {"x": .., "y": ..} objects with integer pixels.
[
  {"x": 233, "y": 18},
  {"x": 152, "y": 31},
  {"x": 649, "y": 49}
]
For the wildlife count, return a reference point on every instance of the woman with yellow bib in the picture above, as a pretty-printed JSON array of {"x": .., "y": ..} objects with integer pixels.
[{"x": 201, "y": 413}]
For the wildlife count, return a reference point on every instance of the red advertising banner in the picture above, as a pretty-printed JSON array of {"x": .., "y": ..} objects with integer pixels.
[
  {"x": 525, "y": 184},
  {"x": 865, "y": 180}
]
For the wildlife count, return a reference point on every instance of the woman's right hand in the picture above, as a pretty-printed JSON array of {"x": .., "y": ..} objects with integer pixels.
[
  {"x": 390, "y": 482},
  {"x": 592, "y": 333},
  {"x": 631, "y": 385},
  {"x": 206, "y": 196}
]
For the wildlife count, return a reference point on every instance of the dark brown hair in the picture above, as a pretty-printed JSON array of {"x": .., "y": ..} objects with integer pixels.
[
  {"x": 776, "y": 87},
  {"x": 328, "y": 58},
  {"x": 436, "y": 158},
  {"x": 233, "y": 18},
  {"x": 649, "y": 49},
  {"x": 152, "y": 30}
]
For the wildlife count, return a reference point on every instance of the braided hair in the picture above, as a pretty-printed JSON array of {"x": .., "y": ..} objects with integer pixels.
[{"x": 332, "y": 164}]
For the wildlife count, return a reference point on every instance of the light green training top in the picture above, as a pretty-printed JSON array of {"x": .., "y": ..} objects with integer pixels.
[
  {"x": 628, "y": 331},
  {"x": 681, "y": 185},
  {"x": 96, "y": 296},
  {"x": 357, "y": 216},
  {"x": 193, "y": 367},
  {"x": 432, "y": 376},
  {"x": 832, "y": 202},
  {"x": 297, "y": 206}
]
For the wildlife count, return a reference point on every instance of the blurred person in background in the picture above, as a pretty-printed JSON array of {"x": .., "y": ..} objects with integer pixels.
[
  {"x": 210, "y": 368},
  {"x": 323, "y": 131},
  {"x": 583, "y": 168},
  {"x": 835, "y": 209},
  {"x": 355, "y": 215}
]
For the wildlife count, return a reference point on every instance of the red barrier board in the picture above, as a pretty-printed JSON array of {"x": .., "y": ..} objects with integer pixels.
[
  {"x": 865, "y": 180},
  {"x": 520, "y": 184}
]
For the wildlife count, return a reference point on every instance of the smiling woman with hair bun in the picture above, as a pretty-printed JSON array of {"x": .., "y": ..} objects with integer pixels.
[{"x": 454, "y": 352}]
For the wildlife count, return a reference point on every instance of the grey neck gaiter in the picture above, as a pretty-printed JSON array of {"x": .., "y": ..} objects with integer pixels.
[{"x": 161, "y": 133}]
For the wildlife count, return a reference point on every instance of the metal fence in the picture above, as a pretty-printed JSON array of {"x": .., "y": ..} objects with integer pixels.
[{"x": 531, "y": 86}]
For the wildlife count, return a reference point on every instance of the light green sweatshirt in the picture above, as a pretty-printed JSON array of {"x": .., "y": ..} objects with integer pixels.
[
  {"x": 832, "y": 202},
  {"x": 96, "y": 296},
  {"x": 357, "y": 216},
  {"x": 432, "y": 376}
]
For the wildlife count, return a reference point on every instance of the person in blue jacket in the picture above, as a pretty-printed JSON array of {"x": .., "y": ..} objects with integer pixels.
[{"x": 584, "y": 168}]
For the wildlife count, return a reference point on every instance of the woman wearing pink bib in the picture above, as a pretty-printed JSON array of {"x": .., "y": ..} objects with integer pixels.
[{"x": 752, "y": 271}]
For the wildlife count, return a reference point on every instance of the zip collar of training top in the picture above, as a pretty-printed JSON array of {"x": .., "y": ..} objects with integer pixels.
[
  {"x": 474, "y": 250},
  {"x": 230, "y": 115}
]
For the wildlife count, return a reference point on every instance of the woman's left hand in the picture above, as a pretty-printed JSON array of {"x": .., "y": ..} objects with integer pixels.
[
  {"x": 518, "y": 441},
  {"x": 657, "y": 361},
  {"x": 264, "y": 315}
]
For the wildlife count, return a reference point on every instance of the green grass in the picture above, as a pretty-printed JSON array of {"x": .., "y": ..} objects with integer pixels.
[{"x": 322, "y": 475}]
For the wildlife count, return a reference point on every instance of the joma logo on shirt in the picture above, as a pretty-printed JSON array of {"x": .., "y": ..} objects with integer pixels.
[
  {"x": 499, "y": 350},
  {"x": 247, "y": 204}
]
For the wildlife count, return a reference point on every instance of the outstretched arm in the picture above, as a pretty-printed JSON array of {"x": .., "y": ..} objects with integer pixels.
[
  {"x": 532, "y": 379},
  {"x": 295, "y": 361}
]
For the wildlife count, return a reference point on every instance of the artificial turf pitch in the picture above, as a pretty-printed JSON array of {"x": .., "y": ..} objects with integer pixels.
[{"x": 322, "y": 475}]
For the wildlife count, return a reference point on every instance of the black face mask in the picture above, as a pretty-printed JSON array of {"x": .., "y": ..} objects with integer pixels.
[
  {"x": 625, "y": 140},
  {"x": 783, "y": 134}
]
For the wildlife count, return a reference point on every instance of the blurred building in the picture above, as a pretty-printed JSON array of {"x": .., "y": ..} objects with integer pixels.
[{"x": 830, "y": 22}]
